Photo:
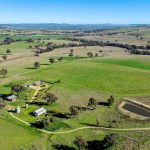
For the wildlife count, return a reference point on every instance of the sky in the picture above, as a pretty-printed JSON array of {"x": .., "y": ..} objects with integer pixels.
[{"x": 75, "y": 11}]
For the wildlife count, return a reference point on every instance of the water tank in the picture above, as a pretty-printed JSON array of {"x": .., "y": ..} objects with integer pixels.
[
  {"x": 27, "y": 105},
  {"x": 18, "y": 110}
]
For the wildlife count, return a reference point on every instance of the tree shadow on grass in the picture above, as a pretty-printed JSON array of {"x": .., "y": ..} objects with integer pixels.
[
  {"x": 95, "y": 145},
  {"x": 103, "y": 103},
  {"x": 89, "y": 124},
  {"x": 44, "y": 64},
  {"x": 12, "y": 111},
  {"x": 92, "y": 125},
  {"x": 37, "y": 103},
  {"x": 59, "y": 115},
  {"x": 62, "y": 147},
  {"x": 37, "y": 125},
  {"x": 29, "y": 68}
]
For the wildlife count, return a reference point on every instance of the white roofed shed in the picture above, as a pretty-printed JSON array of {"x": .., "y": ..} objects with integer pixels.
[{"x": 40, "y": 111}]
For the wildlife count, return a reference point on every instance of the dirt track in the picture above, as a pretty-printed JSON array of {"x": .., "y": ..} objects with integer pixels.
[{"x": 83, "y": 128}]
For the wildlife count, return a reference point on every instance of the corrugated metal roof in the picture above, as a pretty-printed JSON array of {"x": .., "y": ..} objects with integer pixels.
[
  {"x": 11, "y": 97},
  {"x": 40, "y": 110}
]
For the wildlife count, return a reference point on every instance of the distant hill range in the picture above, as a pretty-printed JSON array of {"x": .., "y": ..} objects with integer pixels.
[{"x": 54, "y": 26}]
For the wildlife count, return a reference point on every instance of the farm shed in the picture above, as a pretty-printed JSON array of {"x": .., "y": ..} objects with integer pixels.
[
  {"x": 11, "y": 98},
  {"x": 40, "y": 111}
]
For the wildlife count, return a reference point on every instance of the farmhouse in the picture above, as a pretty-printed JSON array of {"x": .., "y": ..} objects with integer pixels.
[
  {"x": 28, "y": 86},
  {"x": 40, "y": 112},
  {"x": 11, "y": 98},
  {"x": 38, "y": 83}
]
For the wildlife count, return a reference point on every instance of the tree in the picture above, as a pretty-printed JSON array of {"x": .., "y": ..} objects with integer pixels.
[
  {"x": 90, "y": 54},
  {"x": 17, "y": 88},
  {"x": 37, "y": 65},
  {"x": 8, "y": 51},
  {"x": 50, "y": 98},
  {"x": 96, "y": 54},
  {"x": 72, "y": 50},
  {"x": 92, "y": 102},
  {"x": 60, "y": 58},
  {"x": 2, "y": 105},
  {"x": 148, "y": 46},
  {"x": 46, "y": 121},
  {"x": 36, "y": 54},
  {"x": 76, "y": 57},
  {"x": 74, "y": 110},
  {"x": 8, "y": 40},
  {"x": 80, "y": 142},
  {"x": 110, "y": 100},
  {"x": 97, "y": 121},
  {"x": 4, "y": 57},
  {"x": 51, "y": 60},
  {"x": 30, "y": 40},
  {"x": 71, "y": 54},
  {"x": 3, "y": 72},
  {"x": 110, "y": 139}
]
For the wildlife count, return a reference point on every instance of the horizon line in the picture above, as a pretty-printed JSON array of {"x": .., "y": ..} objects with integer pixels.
[{"x": 78, "y": 23}]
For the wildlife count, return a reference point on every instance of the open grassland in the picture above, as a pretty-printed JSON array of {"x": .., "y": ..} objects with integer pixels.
[
  {"x": 137, "y": 36},
  {"x": 97, "y": 76},
  {"x": 125, "y": 140},
  {"x": 34, "y": 37},
  {"x": 114, "y": 72},
  {"x": 14, "y": 135}
]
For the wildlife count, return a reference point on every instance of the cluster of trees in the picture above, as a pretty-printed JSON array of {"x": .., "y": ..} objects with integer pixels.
[
  {"x": 133, "y": 49},
  {"x": 8, "y": 40},
  {"x": 17, "y": 88},
  {"x": 107, "y": 142},
  {"x": 50, "y": 98},
  {"x": 50, "y": 47},
  {"x": 48, "y": 119},
  {"x": 92, "y": 103},
  {"x": 44, "y": 122},
  {"x": 30, "y": 40},
  {"x": 51, "y": 60},
  {"x": 74, "y": 110},
  {"x": 143, "y": 50},
  {"x": 80, "y": 142},
  {"x": 90, "y": 54}
]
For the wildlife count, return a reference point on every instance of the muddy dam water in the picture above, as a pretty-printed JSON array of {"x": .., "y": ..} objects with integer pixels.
[{"x": 139, "y": 110}]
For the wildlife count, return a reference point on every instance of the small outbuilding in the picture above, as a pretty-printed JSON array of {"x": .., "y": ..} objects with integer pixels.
[
  {"x": 11, "y": 98},
  {"x": 40, "y": 111}
]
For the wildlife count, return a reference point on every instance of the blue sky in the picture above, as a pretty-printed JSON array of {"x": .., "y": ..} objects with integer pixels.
[{"x": 75, "y": 11}]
